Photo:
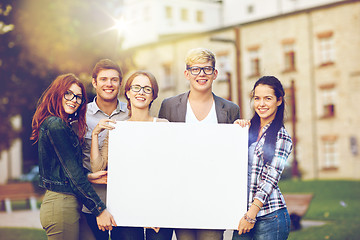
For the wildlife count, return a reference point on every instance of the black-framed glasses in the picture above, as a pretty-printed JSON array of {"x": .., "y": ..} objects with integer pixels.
[
  {"x": 197, "y": 70},
  {"x": 137, "y": 88},
  {"x": 69, "y": 95}
]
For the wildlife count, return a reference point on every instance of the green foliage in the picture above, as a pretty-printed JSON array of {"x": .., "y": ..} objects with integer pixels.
[
  {"x": 68, "y": 36},
  {"x": 42, "y": 39},
  {"x": 15, "y": 84}
]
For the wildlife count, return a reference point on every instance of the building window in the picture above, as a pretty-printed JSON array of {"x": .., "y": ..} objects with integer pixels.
[
  {"x": 289, "y": 56},
  {"x": 250, "y": 9},
  {"x": 328, "y": 97},
  {"x": 184, "y": 15},
  {"x": 224, "y": 66},
  {"x": 167, "y": 77},
  {"x": 354, "y": 146},
  {"x": 326, "y": 48},
  {"x": 290, "y": 104},
  {"x": 254, "y": 62},
  {"x": 168, "y": 12},
  {"x": 199, "y": 16},
  {"x": 330, "y": 154}
]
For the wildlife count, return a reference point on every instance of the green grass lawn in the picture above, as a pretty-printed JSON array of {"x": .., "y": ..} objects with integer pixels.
[
  {"x": 22, "y": 234},
  {"x": 334, "y": 202}
]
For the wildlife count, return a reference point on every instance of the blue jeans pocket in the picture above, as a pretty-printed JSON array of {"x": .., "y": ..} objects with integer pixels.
[{"x": 273, "y": 226}]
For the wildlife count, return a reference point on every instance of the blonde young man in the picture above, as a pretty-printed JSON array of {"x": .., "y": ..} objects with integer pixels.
[{"x": 199, "y": 105}]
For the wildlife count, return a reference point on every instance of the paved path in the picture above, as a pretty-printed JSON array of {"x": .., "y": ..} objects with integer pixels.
[{"x": 22, "y": 218}]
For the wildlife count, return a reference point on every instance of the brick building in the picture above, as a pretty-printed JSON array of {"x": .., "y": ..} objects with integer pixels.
[{"x": 314, "y": 51}]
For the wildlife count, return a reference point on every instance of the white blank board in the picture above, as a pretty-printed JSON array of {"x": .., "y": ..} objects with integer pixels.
[{"x": 177, "y": 175}]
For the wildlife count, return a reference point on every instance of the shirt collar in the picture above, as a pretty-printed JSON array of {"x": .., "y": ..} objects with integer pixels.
[
  {"x": 266, "y": 126},
  {"x": 264, "y": 130},
  {"x": 93, "y": 108}
]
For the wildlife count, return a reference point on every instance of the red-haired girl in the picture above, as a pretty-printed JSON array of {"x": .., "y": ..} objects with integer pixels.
[{"x": 59, "y": 127}]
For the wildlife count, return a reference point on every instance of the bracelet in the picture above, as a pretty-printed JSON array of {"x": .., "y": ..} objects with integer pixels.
[
  {"x": 257, "y": 205},
  {"x": 249, "y": 220}
]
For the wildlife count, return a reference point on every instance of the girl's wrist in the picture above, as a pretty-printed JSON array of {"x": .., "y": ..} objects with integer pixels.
[
  {"x": 252, "y": 213},
  {"x": 251, "y": 220},
  {"x": 256, "y": 205}
]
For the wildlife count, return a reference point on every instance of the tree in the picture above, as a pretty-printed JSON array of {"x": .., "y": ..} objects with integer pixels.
[
  {"x": 16, "y": 81},
  {"x": 41, "y": 39},
  {"x": 67, "y": 36}
]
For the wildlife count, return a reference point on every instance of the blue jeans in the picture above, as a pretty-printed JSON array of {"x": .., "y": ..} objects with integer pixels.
[{"x": 273, "y": 226}]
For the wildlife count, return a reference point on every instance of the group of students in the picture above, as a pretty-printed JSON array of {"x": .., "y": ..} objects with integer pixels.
[{"x": 72, "y": 140}]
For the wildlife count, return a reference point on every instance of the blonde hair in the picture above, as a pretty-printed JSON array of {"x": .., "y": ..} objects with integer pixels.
[{"x": 199, "y": 55}]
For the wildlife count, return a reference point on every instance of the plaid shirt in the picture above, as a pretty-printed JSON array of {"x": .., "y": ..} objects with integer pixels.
[{"x": 265, "y": 178}]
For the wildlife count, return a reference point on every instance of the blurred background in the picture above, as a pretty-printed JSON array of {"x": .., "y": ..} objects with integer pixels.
[{"x": 313, "y": 47}]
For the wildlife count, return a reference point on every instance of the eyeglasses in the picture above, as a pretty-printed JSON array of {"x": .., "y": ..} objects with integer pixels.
[
  {"x": 137, "y": 88},
  {"x": 69, "y": 95},
  {"x": 197, "y": 70}
]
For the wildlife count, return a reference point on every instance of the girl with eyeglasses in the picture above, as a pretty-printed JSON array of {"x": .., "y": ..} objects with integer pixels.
[
  {"x": 269, "y": 148},
  {"x": 59, "y": 126},
  {"x": 141, "y": 89}
]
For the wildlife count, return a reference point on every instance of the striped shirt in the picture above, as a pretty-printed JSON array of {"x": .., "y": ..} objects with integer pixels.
[{"x": 265, "y": 178}]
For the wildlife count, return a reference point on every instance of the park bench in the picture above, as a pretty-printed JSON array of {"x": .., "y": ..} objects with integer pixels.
[
  {"x": 297, "y": 205},
  {"x": 18, "y": 191}
]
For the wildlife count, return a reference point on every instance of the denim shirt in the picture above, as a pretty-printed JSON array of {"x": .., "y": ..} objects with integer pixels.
[{"x": 60, "y": 164}]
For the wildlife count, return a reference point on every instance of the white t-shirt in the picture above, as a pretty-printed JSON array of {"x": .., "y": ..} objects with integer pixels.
[{"x": 191, "y": 118}]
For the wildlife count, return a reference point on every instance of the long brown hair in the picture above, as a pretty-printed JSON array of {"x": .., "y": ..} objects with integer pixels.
[
  {"x": 276, "y": 124},
  {"x": 50, "y": 104}
]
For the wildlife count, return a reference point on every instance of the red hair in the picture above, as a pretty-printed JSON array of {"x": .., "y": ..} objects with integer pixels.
[{"x": 50, "y": 104}]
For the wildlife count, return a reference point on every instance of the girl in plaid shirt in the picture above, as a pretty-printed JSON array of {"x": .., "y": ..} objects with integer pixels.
[{"x": 269, "y": 148}]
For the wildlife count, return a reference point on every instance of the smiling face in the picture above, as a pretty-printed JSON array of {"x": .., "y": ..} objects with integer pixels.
[
  {"x": 71, "y": 106},
  {"x": 140, "y": 100},
  {"x": 107, "y": 85},
  {"x": 201, "y": 82},
  {"x": 265, "y": 103}
]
